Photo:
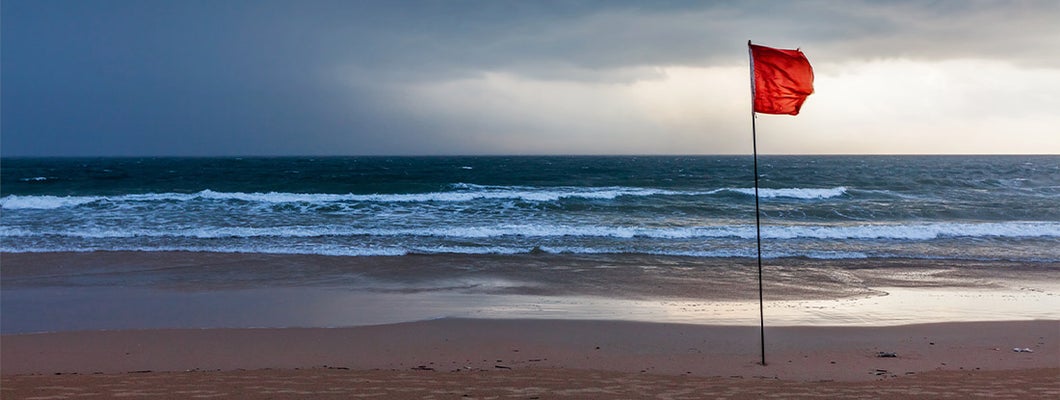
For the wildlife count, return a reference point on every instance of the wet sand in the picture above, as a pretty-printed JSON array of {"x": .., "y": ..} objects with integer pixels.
[
  {"x": 625, "y": 276},
  {"x": 129, "y": 290}
]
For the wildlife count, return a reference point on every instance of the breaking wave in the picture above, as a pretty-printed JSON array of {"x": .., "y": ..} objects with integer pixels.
[
  {"x": 461, "y": 193},
  {"x": 916, "y": 231}
]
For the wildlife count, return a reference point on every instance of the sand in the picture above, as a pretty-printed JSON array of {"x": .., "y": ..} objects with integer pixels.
[
  {"x": 489, "y": 327},
  {"x": 467, "y": 358},
  {"x": 322, "y": 383}
]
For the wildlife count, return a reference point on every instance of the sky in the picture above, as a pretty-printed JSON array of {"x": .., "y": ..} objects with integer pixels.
[{"x": 265, "y": 77}]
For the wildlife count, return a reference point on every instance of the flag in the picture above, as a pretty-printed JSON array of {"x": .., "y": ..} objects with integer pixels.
[{"x": 781, "y": 79}]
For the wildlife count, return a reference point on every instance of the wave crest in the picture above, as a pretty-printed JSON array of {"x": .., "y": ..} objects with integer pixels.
[
  {"x": 461, "y": 193},
  {"x": 793, "y": 193},
  {"x": 912, "y": 232}
]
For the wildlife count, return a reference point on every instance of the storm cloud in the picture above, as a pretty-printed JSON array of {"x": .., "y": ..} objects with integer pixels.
[{"x": 489, "y": 77}]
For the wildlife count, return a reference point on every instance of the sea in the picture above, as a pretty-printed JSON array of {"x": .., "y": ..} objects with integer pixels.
[
  {"x": 1003, "y": 208},
  {"x": 145, "y": 243}
]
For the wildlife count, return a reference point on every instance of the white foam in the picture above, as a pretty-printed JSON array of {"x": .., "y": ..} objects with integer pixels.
[
  {"x": 362, "y": 251},
  {"x": 915, "y": 231},
  {"x": 472, "y": 192},
  {"x": 461, "y": 192},
  {"x": 36, "y": 179},
  {"x": 466, "y": 193},
  {"x": 14, "y": 202},
  {"x": 794, "y": 193}
]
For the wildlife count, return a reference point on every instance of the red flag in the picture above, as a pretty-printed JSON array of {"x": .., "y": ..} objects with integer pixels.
[{"x": 782, "y": 79}]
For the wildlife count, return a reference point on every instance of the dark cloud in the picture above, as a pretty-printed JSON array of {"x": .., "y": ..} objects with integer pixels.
[
  {"x": 1018, "y": 31},
  {"x": 329, "y": 77}
]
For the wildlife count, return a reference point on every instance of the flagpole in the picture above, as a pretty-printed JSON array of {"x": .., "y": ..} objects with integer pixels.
[{"x": 758, "y": 213}]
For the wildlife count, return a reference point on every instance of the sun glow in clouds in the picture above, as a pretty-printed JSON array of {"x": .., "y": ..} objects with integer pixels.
[
  {"x": 878, "y": 106},
  {"x": 957, "y": 106},
  {"x": 667, "y": 111}
]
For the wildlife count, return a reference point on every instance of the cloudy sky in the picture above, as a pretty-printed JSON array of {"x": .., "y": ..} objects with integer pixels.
[{"x": 228, "y": 77}]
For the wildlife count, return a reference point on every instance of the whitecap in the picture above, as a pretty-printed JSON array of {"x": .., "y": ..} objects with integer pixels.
[
  {"x": 794, "y": 193},
  {"x": 15, "y": 202},
  {"x": 912, "y": 232}
]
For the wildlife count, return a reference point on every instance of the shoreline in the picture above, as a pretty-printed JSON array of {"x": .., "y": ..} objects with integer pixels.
[
  {"x": 54, "y": 292},
  {"x": 627, "y": 276}
]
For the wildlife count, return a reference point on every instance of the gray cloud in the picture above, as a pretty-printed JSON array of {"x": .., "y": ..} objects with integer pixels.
[{"x": 334, "y": 77}]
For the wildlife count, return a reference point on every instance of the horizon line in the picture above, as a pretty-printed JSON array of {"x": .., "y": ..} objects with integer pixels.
[{"x": 424, "y": 155}]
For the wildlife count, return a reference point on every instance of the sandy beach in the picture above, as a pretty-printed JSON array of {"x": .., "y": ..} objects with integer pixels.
[
  {"x": 320, "y": 383},
  {"x": 199, "y": 325},
  {"x": 459, "y": 358}
]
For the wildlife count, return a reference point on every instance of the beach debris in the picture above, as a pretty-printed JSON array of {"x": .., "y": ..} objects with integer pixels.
[
  {"x": 422, "y": 368},
  {"x": 1023, "y": 350},
  {"x": 887, "y": 354},
  {"x": 502, "y": 367}
]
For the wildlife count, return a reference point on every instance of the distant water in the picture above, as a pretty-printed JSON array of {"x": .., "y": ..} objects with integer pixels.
[{"x": 931, "y": 207}]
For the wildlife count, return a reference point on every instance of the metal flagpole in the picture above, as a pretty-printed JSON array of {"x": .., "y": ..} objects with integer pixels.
[{"x": 758, "y": 213}]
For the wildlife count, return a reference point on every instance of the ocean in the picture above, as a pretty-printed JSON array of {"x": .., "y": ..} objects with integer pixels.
[
  {"x": 143, "y": 243},
  {"x": 1003, "y": 208}
]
